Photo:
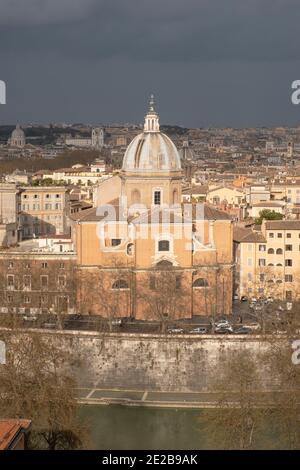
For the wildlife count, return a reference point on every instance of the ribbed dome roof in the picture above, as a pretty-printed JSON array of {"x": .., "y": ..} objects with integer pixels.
[
  {"x": 18, "y": 133},
  {"x": 151, "y": 151}
]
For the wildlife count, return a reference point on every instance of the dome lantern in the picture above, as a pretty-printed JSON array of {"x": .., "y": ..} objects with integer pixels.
[{"x": 151, "y": 118}]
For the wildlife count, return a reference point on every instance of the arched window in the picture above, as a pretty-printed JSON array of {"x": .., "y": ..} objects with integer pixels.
[
  {"x": 200, "y": 282},
  {"x": 270, "y": 264},
  {"x": 120, "y": 284},
  {"x": 130, "y": 249},
  {"x": 271, "y": 251},
  {"x": 279, "y": 251},
  {"x": 278, "y": 264},
  {"x": 279, "y": 281},
  {"x": 135, "y": 196},
  {"x": 163, "y": 245},
  {"x": 175, "y": 196}
]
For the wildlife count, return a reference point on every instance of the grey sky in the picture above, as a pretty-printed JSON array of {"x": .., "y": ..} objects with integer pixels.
[{"x": 209, "y": 62}]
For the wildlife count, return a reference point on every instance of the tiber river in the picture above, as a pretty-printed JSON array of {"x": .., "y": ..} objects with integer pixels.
[{"x": 121, "y": 427}]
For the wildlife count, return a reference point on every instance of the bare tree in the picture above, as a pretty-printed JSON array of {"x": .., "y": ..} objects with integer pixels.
[
  {"x": 114, "y": 294},
  {"x": 286, "y": 397},
  {"x": 236, "y": 418},
  {"x": 162, "y": 296},
  {"x": 34, "y": 384}
]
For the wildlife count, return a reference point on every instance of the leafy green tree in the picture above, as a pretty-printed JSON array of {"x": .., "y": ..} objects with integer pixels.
[{"x": 268, "y": 215}]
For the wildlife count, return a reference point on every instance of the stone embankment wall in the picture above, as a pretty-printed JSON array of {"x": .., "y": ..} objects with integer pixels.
[{"x": 180, "y": 363}]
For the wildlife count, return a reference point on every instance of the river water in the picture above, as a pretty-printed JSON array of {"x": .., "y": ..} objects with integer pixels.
[{"x": 120, "y": 427}]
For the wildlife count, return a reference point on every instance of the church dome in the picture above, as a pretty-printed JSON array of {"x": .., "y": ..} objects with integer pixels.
[
  {"x": 18, "y": 133},
  {"x": 17, "y": 137},
  {"x": 151, "y": 151}
]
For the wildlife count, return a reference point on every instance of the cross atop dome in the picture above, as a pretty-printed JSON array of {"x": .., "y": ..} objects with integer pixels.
[
  {"x": 151, "y": 103},
  {"x": 151, "y": 118}
]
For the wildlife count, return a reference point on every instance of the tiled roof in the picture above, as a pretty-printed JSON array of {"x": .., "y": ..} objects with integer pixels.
[
  {"x": 283, "y": 225},
  {"x": 9, "y": 429},
  {"x": 269, "y": 204},
  {"x": 211, "y": 213},
  {"x": 196, "y": 189},
  {"x": 246, "y": 234}
]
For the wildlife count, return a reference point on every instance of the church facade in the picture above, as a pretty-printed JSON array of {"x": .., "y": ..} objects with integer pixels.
[{"x": 144, "y": 254}]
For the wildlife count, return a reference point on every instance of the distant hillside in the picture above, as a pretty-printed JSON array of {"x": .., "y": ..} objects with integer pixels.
[{"x": 67, "y": 159}]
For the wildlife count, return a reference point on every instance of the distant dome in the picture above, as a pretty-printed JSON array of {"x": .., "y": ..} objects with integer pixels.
[
  {"x": 18, "y": 137},
  {"x": 151, "y": 151}
]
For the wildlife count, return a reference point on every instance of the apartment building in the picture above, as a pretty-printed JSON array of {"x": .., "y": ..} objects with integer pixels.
[
  {"x": 8, "y": 214},
  {"x": 268, "y": 260},
  {"x": 287, "y": 190},
  {"x": 230, "y": 195},
  {"x": 257, "y": 193},
  {"x": 38, "y": 278},
  {"x": 42, "y": 211}
]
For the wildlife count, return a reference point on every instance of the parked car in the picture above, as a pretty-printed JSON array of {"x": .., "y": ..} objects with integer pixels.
[
  {"x": 243, "y": 330},
  {"x": 223, "y": 330},
  {"x": 175, "y": 330},
  {"x": 116, "y": 321},
  {"x": 29, "y": 318},
  {"x": 200, "y": 330},
  {"x": 244, "y": 298},
  {"x": 235, "y": 297},
  {"x": 222, "y": 323}
]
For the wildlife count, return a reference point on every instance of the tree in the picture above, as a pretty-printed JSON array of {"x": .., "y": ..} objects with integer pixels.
[
  {"x": 237, "y": 417},
  {"x": 162, "y": 296},
  {"x": 268, "y": 215},
  {"x": 114, "y": 295},
  {"x": 286, "y": 397},
  {"x": 34, "y": 384}
]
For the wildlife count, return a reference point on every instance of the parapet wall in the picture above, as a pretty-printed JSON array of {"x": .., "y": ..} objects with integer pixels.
[{"x": 179, "y": 363}]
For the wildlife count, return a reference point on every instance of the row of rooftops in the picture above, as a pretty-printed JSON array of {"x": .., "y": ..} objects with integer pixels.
[{"x": 254, "y": 234}]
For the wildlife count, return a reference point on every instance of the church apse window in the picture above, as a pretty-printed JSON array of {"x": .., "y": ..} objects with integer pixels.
[
  {"x": 116, "y": 241},
  {"x": 157, "y": 198},
  {"x": 175, "y": 196},
  {"x": 164, "y": 245},
  {"x": 200, "y": 282},
  {"x": 120, "y": 284},
  {"x": 130, "y": 249}
]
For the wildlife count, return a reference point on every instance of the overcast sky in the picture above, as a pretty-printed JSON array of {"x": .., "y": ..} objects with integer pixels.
[{"x": 208, "y": 62}]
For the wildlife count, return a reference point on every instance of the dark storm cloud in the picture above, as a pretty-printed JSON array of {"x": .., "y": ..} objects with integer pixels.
[
  {"x": 217, "y": 62},
  {"x": 156, "y": 30}
]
